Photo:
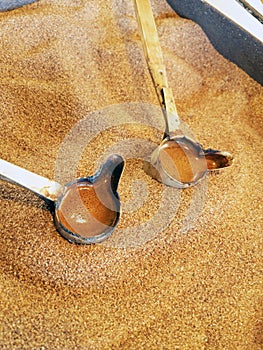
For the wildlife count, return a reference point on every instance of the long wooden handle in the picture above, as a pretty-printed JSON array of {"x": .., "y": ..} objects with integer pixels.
[{"x": 154, "y": 57}]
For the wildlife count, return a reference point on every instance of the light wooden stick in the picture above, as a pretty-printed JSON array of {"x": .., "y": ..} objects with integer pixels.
[{"x": 154, "y": 57}]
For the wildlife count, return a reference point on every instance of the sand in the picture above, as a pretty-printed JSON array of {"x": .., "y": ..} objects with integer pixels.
[{"x": 183, "y": 270}]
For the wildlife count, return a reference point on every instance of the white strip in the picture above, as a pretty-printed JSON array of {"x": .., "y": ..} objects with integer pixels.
[
  {"x": 33, "y": 182},
  {"x": 235, "y": 12},
  {"x": 257, "y": 4}
]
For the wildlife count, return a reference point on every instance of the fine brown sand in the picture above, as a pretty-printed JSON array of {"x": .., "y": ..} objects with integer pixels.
[{"x": 183, "y": 270}]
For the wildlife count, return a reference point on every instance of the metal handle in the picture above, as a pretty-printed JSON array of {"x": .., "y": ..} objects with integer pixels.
[
  {"x": 154, "y": 57},
  {"x": 38, "y": 184}
]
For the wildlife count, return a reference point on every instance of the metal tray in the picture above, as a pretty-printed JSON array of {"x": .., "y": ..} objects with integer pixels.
[{"x": 233, "y": 30}]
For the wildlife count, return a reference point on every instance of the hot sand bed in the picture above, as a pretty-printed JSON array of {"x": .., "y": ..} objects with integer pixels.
[{"x": 192, "y": 282}]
